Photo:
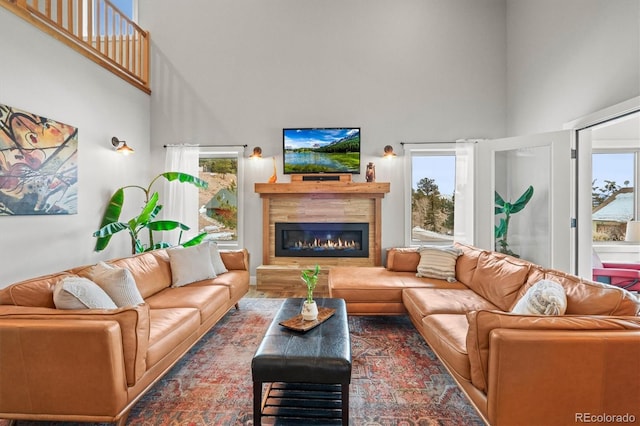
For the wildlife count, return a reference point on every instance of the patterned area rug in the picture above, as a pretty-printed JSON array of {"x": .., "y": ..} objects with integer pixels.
[{"x": 396, "y": 378}]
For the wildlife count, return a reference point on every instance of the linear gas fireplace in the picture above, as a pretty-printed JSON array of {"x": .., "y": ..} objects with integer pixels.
[{"x": 321, "y": 239}]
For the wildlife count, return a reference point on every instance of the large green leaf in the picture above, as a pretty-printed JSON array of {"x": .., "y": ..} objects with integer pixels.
[
  {"x": 501, "y": 229},
  {"x": 160, "y": 245},
  {"x": 110, "y": 229},
  {"x": 523, "y": 200},
  {"x": 111, "y": 215},
  {"x": 185, "y": 177},
  {"x": 147, "y": 211},
  {"x": 166, "y": 225},
  {"x": 195, "y": 240},
  {"x": 498, "y": 199}
]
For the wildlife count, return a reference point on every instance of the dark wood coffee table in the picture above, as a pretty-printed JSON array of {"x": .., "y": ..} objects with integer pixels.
[{"x": 309, "y": 372}]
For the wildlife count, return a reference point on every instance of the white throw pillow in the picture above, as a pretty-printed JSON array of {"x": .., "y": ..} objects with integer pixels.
[
  {"x": 190, "y": 264},
  {"x": 545, "y": 297},
  {"x": 438, "y": 262},
  {"x": 118, "y": 283},
  {"x": 216, "y": 260},
  {"x": 80, "y": 293}
]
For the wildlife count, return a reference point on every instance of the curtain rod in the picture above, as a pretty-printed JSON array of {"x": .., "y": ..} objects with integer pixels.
[
  {"x": 203, "y": 146},
  {"x": 440, "y": 142}
]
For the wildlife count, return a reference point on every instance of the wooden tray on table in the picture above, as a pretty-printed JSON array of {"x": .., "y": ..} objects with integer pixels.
[{"x": 298, "y": 323}]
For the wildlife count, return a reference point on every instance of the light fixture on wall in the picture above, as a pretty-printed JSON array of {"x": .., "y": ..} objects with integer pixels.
[
  {"x": 633, "y": 231},
  {"x": 121, "y": 147},
  {"x": 257, "y": 153},
  {"x": 388, "y": 152}
]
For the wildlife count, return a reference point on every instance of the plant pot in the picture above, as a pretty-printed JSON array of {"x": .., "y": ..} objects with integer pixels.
[{"x": 309, "y": 311}]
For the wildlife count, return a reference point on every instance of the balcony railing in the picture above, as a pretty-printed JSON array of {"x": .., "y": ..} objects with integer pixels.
[{"x": 95, "y": 28}]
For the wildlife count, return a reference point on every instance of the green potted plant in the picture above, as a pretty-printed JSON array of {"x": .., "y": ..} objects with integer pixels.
[
  {"x": 111, "y": 223},
  {"x": 507, "y": 208},
  {"x": 309, "y": 307}
]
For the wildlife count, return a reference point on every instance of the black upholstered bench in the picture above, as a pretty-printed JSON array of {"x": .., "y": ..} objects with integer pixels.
[{"x": 309, "y": 372}]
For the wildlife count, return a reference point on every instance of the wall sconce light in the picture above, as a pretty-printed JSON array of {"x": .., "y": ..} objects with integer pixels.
[
  {"x": 388, "y": 152},
  {"x": 257, "y": 153},
  {"x": 633, "y": 231},
  {"x": 121, "y": 146}
]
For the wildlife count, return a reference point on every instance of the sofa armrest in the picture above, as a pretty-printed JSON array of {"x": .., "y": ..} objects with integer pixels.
[
  {"x": 235, "y": 259},
  {"x": 483, "y": 322},
  {"x": 61, "y": 367},
  {"x": 132, "y": 321},
  {"x": 561, "y": 377}
]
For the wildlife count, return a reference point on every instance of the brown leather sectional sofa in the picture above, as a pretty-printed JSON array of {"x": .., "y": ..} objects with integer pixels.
[
  {"x": 580, "y": 367},
  {"x": 94, "y": 364}
]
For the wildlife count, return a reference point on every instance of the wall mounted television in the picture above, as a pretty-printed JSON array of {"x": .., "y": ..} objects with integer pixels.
[{"x": 321, "y": 150}]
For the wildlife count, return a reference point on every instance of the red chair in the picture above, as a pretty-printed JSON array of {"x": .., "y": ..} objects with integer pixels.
[{"x": 625, "y": 275}]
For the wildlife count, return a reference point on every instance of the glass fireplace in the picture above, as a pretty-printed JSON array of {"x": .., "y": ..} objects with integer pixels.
[{"x": 318, "y": 239}]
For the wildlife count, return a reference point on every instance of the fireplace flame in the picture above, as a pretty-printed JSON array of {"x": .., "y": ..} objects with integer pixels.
[{"x": 338, "y": 244}]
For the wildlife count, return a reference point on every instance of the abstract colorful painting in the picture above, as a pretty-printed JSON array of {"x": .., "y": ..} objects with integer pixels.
[{"x": 38, "y": 165}]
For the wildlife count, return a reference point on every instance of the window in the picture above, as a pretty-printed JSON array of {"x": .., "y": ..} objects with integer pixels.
[
  {"x": 126, "y": 7},
  {"x": 220, "y": 203},
  {"x": 433, "y": 176},
  {"x": 613, "y": 196}
]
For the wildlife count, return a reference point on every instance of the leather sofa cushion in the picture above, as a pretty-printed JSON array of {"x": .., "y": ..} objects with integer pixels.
[
  {"x": 421, "y": 302},
  {"x": 36, "y": 292},
  {"x": 467, "y": 263},
  {"x": 235, "y": 259},
  {"x": 150, "y": 270},
  {"x": 237, "y": 281},
  {"x": 377, "y": 284},
  {"x": 169, "y": 329},
  {"x": 403, "y": 259},
  {"x": 366, "y": 284},
  {"x": 482, "y": 323},
  {"x": 586, "y": 297},
  {"x": 446, "y": 334},
  {"x": 133, "y": 322},
  {"x": 498, "y": 278},
  {"x": 206, "y": 299}
]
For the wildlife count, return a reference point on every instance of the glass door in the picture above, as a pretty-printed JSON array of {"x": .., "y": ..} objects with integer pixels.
[
  {"x": 609, "y": 155},
  {"x": 524, "y": 200}
]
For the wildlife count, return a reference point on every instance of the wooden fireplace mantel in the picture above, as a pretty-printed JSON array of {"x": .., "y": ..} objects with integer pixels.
[
  {"x": 331, "y": 201},
  {"x": 367, "y": 190}
]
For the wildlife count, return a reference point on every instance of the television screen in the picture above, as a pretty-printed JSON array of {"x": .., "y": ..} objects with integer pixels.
[{"x": 321, "y": 150}]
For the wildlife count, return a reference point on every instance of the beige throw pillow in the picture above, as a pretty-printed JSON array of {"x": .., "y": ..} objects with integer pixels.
[
  {"x": 190, "y": 264},
  {"x": 216, "y": 260},
  {"x": 438, "y": 262},
  {"x": 80, "y": 293},
  {"x": 118, "y": 283},
  {"x": 545, "y": 297}
]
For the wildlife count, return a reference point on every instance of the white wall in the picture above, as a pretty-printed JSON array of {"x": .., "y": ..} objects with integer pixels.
[
  {"x": 237, "y": 72},
  {"x": 43, "y": 76},
  {"x": 569, "y": 58}
]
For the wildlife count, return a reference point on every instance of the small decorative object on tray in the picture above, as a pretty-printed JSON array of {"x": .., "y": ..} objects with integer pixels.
[
  {"x": 310, "y": 307},
  {"x": 298, "y": 323}
]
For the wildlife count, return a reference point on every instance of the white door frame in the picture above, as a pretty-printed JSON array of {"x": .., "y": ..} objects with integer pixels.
[
  {"x": 582, "y": 189},
  {"x": 557, "y": 236}
]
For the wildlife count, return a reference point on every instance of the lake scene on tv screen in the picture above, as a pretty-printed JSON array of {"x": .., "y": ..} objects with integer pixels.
[{"x": 326, "y": 150}]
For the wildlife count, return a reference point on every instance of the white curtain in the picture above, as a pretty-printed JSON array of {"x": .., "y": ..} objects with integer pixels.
[
  {"x": 464, "y": 192},
  {"x": 180, "y": 201}
]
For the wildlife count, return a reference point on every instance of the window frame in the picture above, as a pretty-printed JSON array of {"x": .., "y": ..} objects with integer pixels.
[
  {"x": 412, "y": 150},
  {"x": 635, "y": 183},
  {"x": 238, "y": 153}
]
